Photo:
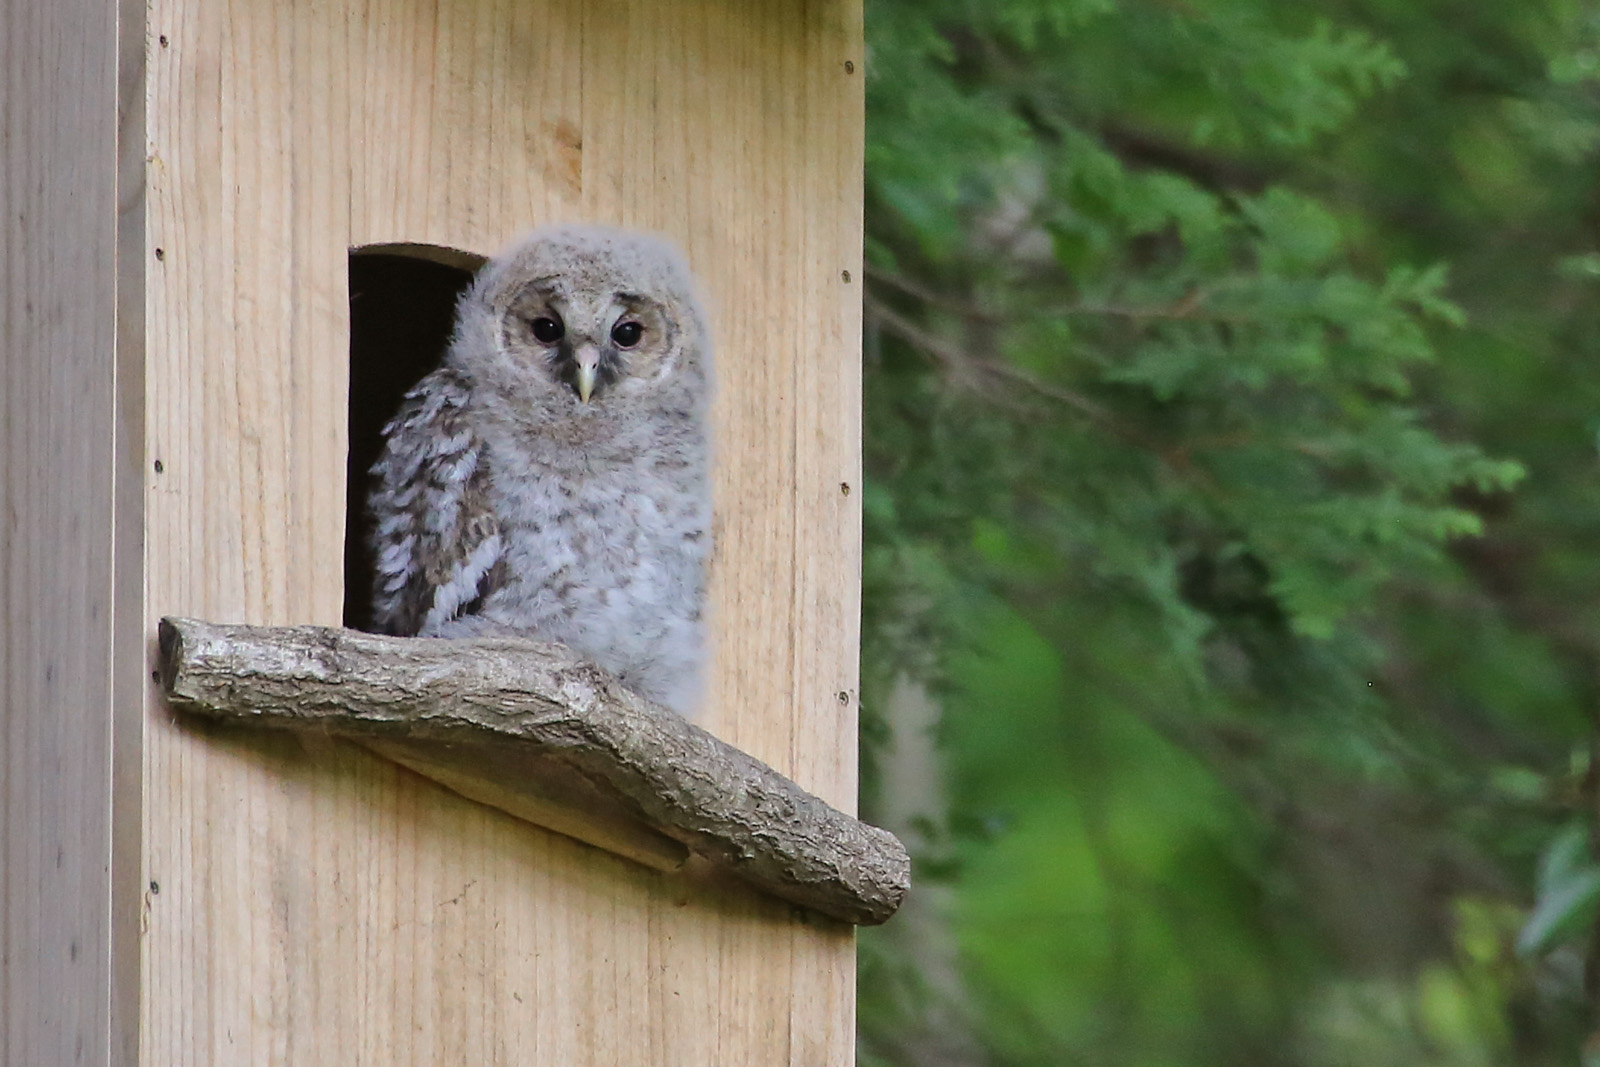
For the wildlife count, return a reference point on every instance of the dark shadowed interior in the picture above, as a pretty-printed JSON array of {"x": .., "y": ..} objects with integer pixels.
[{"x": 402, "y": 306}]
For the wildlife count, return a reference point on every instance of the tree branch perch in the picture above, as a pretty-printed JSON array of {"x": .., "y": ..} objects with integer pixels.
[{"x": 468, "y": 704}]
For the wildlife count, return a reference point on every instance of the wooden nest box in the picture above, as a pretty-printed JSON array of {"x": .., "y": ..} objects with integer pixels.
[{"x": 213, "y": 213}]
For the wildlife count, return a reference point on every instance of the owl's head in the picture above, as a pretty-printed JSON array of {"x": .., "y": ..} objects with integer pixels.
[{"x": 586, "y": 317}]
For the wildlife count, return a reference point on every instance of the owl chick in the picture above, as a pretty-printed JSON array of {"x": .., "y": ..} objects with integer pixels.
[{"x": 550, "y": 479}]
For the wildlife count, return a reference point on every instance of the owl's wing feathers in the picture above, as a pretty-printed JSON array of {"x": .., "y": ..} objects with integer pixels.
[{"x": 436, "y": 540}]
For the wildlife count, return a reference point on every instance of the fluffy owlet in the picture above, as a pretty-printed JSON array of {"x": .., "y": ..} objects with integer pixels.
[{"x": 551, "y": 478}]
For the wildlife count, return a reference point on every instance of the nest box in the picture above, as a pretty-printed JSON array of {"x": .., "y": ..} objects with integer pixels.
[{"x": 210, "y": 213}]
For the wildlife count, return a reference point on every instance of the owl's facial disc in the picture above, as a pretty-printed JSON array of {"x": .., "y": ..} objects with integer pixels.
[{"x": 591, "y": 342}]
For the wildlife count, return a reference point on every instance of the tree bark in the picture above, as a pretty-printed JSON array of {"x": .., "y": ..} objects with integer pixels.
[{"x": 539, "y": 701}]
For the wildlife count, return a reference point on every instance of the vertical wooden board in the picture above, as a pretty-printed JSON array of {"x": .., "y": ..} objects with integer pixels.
[
  {"x": 130, "y": 682},
  {"x": 252, "y": 844},
  {"x": 59, "y": 532},
  {"x": 465, "y": 119},
  {"x": 317, "y": 905}
]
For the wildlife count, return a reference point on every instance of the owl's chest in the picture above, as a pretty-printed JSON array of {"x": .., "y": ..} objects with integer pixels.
[{"x": 594, "y": 522}]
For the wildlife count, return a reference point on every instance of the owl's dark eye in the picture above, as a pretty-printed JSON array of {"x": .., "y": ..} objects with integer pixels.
[
  {"x": 548, "y": 330},
  {"x": 627, "y": 334}
]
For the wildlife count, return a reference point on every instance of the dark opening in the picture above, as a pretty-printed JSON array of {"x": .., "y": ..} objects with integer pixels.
[{"x": 402, "y": 307}]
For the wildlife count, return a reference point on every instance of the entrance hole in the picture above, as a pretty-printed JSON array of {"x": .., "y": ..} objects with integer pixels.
[{"x": 402, "y": 309}]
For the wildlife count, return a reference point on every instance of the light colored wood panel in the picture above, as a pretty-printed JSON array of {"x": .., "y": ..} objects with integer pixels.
[
  {"x": 130, "y": 681},
  {"x": 58, "y": 512},
  {"x": 466, "y": 120},
  {"x": 253, "y": 852},
  {"x": 827, "y": 387},
  {"x": 323, "y": 906}
]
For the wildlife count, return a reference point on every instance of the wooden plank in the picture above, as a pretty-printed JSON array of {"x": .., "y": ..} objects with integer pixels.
[
  {"x": 321, "y": 905},
  {"x": 131, "y": 682},
  {"x": 538, "y": 791},
  {"x": 65, "y": 846}
]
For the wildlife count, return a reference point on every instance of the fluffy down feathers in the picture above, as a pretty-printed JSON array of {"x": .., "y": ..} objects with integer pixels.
[{"x": 506, "y": 502}]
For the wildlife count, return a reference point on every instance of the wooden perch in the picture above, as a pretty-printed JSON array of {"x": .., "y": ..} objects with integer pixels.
[{"x": 492, "y": 713}]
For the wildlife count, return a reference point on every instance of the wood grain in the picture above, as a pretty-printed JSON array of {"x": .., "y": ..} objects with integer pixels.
[
  {"x": 535, "y": 789},
  {"x": 319, "y": 905},
  {"x": 65, "y": 983},
  {"x": 503, "y": 713}
]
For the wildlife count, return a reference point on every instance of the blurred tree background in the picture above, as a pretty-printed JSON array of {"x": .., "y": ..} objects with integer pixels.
[{"x": 1232, "y": 643}]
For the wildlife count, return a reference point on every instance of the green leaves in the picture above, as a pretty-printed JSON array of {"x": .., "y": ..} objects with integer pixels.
[
  {"x": 1297, "y": 234},
  {"x": 1230, "y": 413},
  {"x": 1568, "y": 893}
]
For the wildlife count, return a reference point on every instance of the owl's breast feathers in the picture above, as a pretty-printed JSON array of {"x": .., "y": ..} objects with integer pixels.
[{"x": 438, "y": 545}]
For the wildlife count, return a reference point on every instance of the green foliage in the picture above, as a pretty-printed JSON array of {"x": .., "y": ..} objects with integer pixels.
[
  {"x": 1231, "y": 483},
  {"x": 1568, "y": 892}
]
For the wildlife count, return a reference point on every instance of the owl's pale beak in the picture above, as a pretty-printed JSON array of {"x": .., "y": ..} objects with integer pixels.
[{"x": 588, "y": 372}]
